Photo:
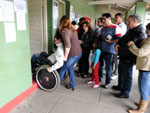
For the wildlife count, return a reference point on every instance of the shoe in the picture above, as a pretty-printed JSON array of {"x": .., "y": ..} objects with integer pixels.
[
  {"x": 90, "y": 82},
  {"x": 113, "y": 77},
  {"x": 115, "y": 73},
  {"x": 107, "y": 86},
  {"x": 121, "y": 95},
  {"x": 68, "y": 87},
  {"x": 116, "y": 88},
  {"x": 96, "y": 86},
  {"x": 79, "y": 74},
  {"x": 142, "y": 107},
  {"x": 84, "y": 76}
]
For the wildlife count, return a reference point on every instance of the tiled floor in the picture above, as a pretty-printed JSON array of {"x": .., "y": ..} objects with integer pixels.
[{"x": 84, "y": 99}]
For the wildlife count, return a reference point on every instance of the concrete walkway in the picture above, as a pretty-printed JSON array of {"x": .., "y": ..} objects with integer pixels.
[{"x": 84, "y": 99}]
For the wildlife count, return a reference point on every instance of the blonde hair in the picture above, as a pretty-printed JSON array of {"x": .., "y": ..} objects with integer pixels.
[{"x": 65, "y": 23}]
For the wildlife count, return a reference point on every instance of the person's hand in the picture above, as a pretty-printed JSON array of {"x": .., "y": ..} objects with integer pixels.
[
  {"x": 65, "y": 58},
  {"x": 107, "y": 40},
  {"x": 130, "y": 43},
  {"x": 80, "y": 41},
  {"x": 116, "y": 47},
  {"x": 49, "y": 69},
  {"x": 93, "y": 67}
]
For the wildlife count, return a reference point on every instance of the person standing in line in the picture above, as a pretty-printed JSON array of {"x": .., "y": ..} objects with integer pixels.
[
  {"x": 85, "y": 39},
  {"x": 143, "y": 65},
  {"x": 72, "y": 52},
  {"x": 137, "y": 34},
  {"x": 123, "y": 28},
  {"x": 95, "y": 64},
  {"x": 110, "y": 34}
]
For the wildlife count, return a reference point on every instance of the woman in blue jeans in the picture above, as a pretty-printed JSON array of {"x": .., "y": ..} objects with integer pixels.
[
  {"x": 143, "y": 65},
  {"x": 72, "y": 50}
]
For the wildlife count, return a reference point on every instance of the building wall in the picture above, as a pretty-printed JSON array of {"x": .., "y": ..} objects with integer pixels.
[
  {"x": 83, "y": 9},
  {"x": 15, "y": 69}
]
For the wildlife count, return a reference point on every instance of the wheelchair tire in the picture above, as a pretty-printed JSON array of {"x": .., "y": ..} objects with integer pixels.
[{"x": 47, "y": 81}]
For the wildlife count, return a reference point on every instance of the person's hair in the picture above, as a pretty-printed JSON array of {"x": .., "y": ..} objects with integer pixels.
[
  {"x": 136, "y": 17},
  {"x": 58, "y": 35},
  {"x": 98, "y": 44},
  {"x": 73, "y": 22},
  {"x": 119, "y": 14},
  {"x": 101, "y": 19},
  {"x": 107, "y": 15},
  {"x": 148, "y": 27},
  {"x": 82, "y": 19},
  {"x": 65, "y": 23},
  {"x": 87, "y": 23}
]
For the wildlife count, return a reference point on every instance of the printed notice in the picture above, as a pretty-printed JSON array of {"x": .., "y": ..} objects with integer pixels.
[
  {"x": 8, "y": 11},
  {"x": 1, "y": 14},
  {"x": 20, "y": 5},
  {"x": 1, "y": 3},
  {"x": 10, "y": 32},
  {"x": 21, "y": 21},
  {"x": 55, "y": 14}
]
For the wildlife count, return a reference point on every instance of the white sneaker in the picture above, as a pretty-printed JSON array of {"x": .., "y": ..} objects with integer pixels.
[
  {"x": 107, "y": 86},
  {"x": 96, "y": 86},
  {"x": 90, "y": 82},
  {"x": 113, "y": 77}
]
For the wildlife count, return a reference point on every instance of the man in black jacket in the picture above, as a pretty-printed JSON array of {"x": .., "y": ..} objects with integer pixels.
[{"x": 135, "y": 33}]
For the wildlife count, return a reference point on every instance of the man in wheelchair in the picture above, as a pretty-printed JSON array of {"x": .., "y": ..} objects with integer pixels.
[{"x": 44, "y": 67}]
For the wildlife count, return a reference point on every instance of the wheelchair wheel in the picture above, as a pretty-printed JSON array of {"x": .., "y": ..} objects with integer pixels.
[{"x": 47, "y": 81}]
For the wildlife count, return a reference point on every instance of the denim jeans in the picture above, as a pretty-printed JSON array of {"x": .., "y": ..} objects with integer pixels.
[
  {"x": 120, "y": 74},
  {"x": 106, "y": 58},
  {"x": 69, "y": 65},
  {"x": 144, "y": 84},
  {"x": 125, "y": 71}
]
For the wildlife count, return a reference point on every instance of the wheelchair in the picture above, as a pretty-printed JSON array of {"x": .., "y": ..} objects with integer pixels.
[{"x": 47, "y": 81}]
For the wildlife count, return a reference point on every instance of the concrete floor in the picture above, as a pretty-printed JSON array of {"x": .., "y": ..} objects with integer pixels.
[{"x": 84, "y": 99}]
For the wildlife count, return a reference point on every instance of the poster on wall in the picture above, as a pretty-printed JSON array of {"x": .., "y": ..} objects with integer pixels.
[
  {"x": 55, "y": 14},
  {"x": 1, "y": 3},
  {"x": 20, "y": 6},
  {"x": 8, "y": 11},
  {"x": 77, "y": 17},
  {"x": 10, "y": 32},
  {"x": 72, "y": 15},
  {"x": 21, "y": 21}
]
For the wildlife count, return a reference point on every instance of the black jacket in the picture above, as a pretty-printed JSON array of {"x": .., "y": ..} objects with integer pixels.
[
  {"x": 86, "y": 39},
  {"x": 136, "y": 34}
]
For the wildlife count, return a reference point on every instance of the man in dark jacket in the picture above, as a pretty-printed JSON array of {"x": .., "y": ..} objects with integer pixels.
[{"x": 135, "y": 33}]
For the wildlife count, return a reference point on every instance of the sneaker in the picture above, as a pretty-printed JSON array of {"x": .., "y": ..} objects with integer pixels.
[
  {"x": 90, "y": 82},
  {"x": 107, "y": 86},
  {"x": 96, "y": 86},
  {"x": 84, "y": 76},
  {"x": 113, "y": 77}
]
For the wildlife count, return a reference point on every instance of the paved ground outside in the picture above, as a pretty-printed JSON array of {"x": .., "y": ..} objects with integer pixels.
[{"x": 84, "y": 99}]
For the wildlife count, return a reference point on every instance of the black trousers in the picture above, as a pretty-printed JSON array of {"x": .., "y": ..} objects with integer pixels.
[{"x": 84, "y": 62}]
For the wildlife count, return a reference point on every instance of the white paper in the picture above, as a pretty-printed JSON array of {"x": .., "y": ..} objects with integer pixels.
[
  {"x": 21, "y": 21},
  {"x": 55, "y": 14},
  {"x": 1, "y": 14},
  {"x": 8, "y": 11},
  {"x": 1, "y": 2},
  {"x": 20, "y": 6},
  {"x": 10, "y": 32},
  {"x": 72, "y": 16}
]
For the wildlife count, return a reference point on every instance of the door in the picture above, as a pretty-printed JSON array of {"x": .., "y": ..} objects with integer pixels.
[
  {"x": 35, "y": 26},
  {"x": 61, "y": 8}
]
